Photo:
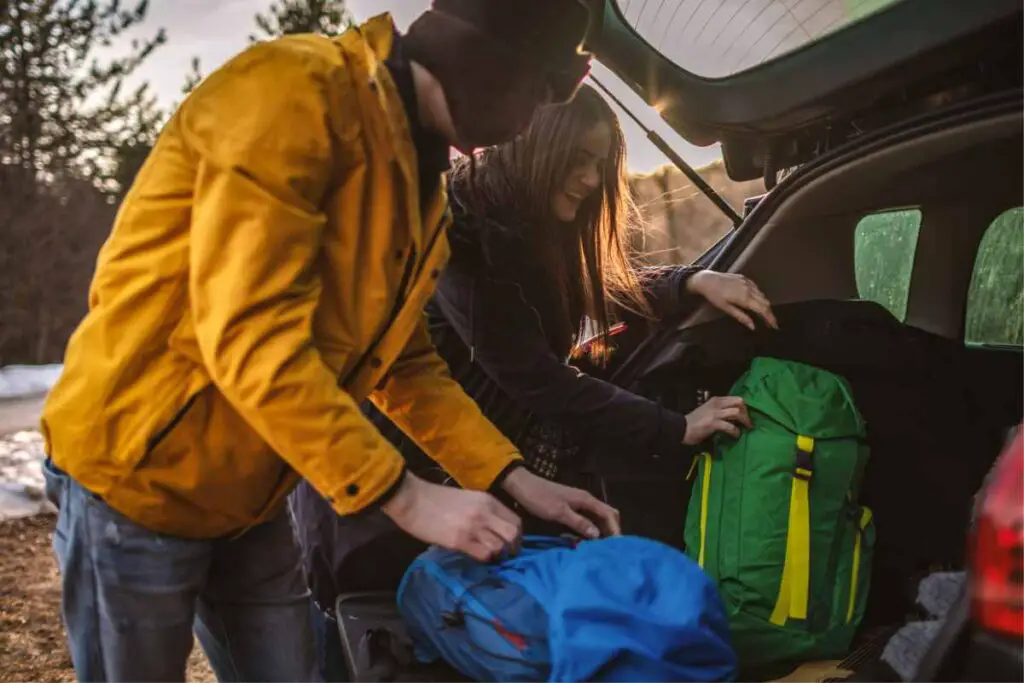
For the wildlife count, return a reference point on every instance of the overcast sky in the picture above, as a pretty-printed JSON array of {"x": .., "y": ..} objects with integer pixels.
[{"x": 215, "y": 30}]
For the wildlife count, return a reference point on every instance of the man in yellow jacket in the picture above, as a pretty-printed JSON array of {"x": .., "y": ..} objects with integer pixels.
[{"x": 266, "y": 273}]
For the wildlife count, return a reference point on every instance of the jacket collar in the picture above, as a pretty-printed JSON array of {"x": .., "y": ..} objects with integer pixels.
[{"x": 366, "y": 48}]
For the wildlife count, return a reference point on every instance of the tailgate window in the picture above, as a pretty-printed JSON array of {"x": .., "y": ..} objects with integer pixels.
[{"x": 719, "y": 38}]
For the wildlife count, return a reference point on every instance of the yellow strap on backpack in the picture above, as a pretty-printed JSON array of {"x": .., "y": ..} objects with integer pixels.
[
  {"x": 796, "y": 571},
  {"x": 865, "y": 519},
  {"x": 705, "y": 490}
]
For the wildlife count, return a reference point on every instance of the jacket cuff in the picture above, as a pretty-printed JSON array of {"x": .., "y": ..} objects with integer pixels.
[
  {"x": 389, "y": 493},
  {"x": 671, "y": 432},
  {"x": 684, "y": 278},
  {"x": 495, "y": 486}
]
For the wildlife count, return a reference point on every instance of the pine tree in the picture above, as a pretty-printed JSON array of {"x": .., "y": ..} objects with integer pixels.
[
  {"x": 327, "y": 17},
  {"x": 132, "y": 152},
  {"x": 63, "y": 112},
  {"x": 193, "y": 78}
]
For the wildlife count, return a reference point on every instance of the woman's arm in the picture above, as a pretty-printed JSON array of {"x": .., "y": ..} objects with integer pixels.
[
  {"x": 505, "y": 337},
  {"x": 737, "y": 296},
  {"x": 666, "y": 287}
]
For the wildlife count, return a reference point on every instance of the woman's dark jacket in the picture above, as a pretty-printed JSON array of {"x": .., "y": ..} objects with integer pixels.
[{"x": 495, "y": 322}]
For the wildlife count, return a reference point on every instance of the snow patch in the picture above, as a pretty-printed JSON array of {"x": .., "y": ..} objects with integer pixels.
[
  {"x": 22, "y": 381},
  {"x": 22, "y": 492}
]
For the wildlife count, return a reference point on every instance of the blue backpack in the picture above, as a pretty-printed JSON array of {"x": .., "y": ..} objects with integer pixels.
[{"x": 615, "y": 609}]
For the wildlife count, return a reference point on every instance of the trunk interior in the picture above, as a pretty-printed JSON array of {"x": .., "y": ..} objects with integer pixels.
[{"x": 938, "y": 410}]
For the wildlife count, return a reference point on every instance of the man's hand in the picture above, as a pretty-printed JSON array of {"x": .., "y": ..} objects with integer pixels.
[
  {"x": 574, "y": 508},
  {"x": 733, "y": 294},
  {"x": 469, "y": 522},
  {"x": 718, "y": 414}
]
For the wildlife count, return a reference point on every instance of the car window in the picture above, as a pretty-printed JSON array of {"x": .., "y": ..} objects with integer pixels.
[
  {"x": 883, "y": 252},
  {"x": 719, "y": 38},
  {"x": 995, "y": 301}
]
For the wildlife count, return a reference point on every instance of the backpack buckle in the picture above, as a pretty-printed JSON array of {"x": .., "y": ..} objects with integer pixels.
[{"x": 804, "y": 469}]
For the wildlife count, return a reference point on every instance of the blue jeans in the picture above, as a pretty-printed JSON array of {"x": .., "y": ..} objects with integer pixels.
[
  {"x": 131, "y": 596},
  {"x": 330, "y": 651}
]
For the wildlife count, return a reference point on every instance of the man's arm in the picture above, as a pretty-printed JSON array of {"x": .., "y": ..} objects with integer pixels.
[{"x": 422, "y": 399}]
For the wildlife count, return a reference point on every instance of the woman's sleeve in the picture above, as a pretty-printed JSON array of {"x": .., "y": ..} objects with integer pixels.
[
  {"x": 505, "y": 337},
  {"x": 665, "y": 287}
]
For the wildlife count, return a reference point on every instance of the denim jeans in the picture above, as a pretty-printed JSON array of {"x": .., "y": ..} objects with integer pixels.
[
  {"x": 131, "y": 596},
  {"x": 330, "y": 651}
]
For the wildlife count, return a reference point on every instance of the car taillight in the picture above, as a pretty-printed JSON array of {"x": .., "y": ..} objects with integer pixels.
[{"x": 998, "y": 548}]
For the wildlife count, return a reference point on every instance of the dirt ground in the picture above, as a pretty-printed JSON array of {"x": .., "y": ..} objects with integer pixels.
[{"x": 32, "y": 644}]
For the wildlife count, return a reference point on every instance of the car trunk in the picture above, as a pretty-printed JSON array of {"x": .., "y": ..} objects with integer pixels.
[
  {"x": 937, "y": 410},
  {"x": 937, "y": 415}
]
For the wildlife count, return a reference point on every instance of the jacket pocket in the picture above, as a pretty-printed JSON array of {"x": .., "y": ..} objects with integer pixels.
[
  {"x": 162, "y": 433},
  {"x": 207, "y": 457}
]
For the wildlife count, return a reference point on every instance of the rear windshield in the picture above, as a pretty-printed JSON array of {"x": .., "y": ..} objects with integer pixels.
[{"x": 719, "y": 38}]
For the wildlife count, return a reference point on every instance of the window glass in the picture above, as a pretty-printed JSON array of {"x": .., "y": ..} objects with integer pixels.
[
  {"x": 995, "y": 301},
  {"x": 719, "y": 38},
  {"x": 883, "y": 251}
]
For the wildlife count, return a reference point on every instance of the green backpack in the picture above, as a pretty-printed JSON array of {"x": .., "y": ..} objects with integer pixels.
[{"x": 774, "y": 518}]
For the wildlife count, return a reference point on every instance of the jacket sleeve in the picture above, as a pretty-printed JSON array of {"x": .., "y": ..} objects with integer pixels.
[
  {"x": 666, "y": 287},
  {"x": 266, "y": 157},
  {"x": 422, "y": 399},
  {"x": 505, "y": 336}
]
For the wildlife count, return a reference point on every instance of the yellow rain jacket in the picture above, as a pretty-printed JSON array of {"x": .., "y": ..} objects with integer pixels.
[{"x": 266, "y": 273}]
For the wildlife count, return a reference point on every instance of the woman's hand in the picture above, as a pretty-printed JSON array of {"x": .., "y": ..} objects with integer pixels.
[
  {"x": 733, "y": 294},
  {"x": 718, "y": 414},
  {"x": 573, "y": 508}
]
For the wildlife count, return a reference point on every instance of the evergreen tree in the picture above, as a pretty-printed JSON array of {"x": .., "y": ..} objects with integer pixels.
[
  {"x": 63, "y": 111},
  {"x": 327, "y": 17},
  {"x": 193, "y": 77}
]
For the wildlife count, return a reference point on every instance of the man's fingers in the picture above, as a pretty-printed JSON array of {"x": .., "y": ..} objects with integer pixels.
[
  {"x": 509, "y": 533},
  {"x": 482, "y": 549},
  {"x": 502, "y": 511}
]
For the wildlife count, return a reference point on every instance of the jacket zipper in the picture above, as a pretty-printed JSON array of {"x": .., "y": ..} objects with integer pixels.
[
  {"x": 396, "y": 308},
  {"x": 157, "y": 438},
  {"x": 400, "y": 299}
]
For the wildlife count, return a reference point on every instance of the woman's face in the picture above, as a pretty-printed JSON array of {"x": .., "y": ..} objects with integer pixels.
[{"x": 586, "y": 172}]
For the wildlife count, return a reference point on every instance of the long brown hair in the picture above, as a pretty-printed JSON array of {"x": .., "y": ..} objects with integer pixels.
[{"x": 588, "y": 261}]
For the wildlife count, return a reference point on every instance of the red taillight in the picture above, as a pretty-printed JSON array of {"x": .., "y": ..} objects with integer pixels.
[{"x": 998, "y": 560}]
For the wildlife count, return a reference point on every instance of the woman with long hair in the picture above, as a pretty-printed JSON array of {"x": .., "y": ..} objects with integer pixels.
[{"x": 539, "y": 251}]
